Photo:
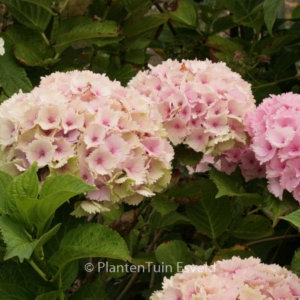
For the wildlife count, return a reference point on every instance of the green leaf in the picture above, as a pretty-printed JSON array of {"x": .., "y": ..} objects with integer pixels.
[
  {"x": 187, "y": 156},
  {"x": 113, "y": 214},
  {"x": 227, "y": 186},
  {"x": 185, "y": 13},
  {"x": 11, "y": 291},
  {"x": 23, "y": 192},
  {"x": 29, "y": 47},
  {"x": 132, "y": 5},
  {"x": 123, "y": 75},
  {"x": 173, "y": 256},
  {"x": 69, "y": 31},
  {"x": 68, "y": 275},
  {"x": 45, "y": 4},
  {"x": 293, "y": 218},
  {"x": 138, "y": 25},
  {"x": 271, "y": 8},
  {"x": 26, "y": 184},
  {"x": 246, "y": 12},
  {"x": 94, "y": 291},
  {"x": 168, "y": 221},
  {"x": 90, "y": 240},
  {"x": 224, "y": 45},
  {"x": 24, "y": 276},
  {"x": 143, "y": 259},
  {"x": 64, "y": 183},
  {"x": 18, "y": 243},
  {"x": 136, "y": 56},
  {"x": 276, "y": 208},
  {"x": 29, "y": 14},
  {"x": 295, "y": 265},
  {"x": 49, "y": 296},
  {"x": 252, "y": 227},
  {"x": 163, "y": 204},
  {"x": 55, "y": 191},
  {"x": 5, "y": 180},
  {"x": 12, "y": 76},
  {"x": 223, "y": 23},
  {"x": 189, "y": 189},
  {"x": 210, "y": 215}
]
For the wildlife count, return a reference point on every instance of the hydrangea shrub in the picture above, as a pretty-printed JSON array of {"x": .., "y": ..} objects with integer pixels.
[
  {"x": 233, "y": 279},
  {"x": 202, "y": 104},
  {"x": 84, "y": 124}
]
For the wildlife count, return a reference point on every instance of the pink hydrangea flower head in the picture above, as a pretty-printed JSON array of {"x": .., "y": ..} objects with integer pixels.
[
  {"x": 85, "y": 124},
  {"x": 202, "y": 104},
  {"x": 274, "y": 128},
  {"x": 233, "y": 279}
]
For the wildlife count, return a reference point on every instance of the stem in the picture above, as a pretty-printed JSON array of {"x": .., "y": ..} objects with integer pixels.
[
  {"x": 61, "y": 296},
  {"x": 280, "y": 244},
  {"x": 155, "y": 239},
  {"x": 253, "y": 211},
  {"x": 172, "y": 29},
  {"x": 108, "y": 4},
  {"x": 152, "y": 279},
  {"x": 276, "y": 82},
  {"x": 64, "y": 6},
  {"x": 45, "y": 38},
  {"x": 291, "y": 236},
  {"x": 37, "y": 269},
  {"x": 129, "y": 284}
]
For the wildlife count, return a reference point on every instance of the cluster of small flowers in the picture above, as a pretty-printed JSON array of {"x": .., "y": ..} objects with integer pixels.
[
  {"x": 83, "y": 123},
  {"x": 234, "y": 279},
  {"x": 274, "y": 128},
  {"x": 202, "y": 104},
  {"x": 229, "y": 160}
]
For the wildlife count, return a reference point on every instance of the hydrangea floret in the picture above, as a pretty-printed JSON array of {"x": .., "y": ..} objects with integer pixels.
[
  {"x": 202, "y": 104},
  {"x": 2, "y": 49},
  {"x": 233, "y": 279},
  {"x": 274, "y": 128},
  {"x": 84, "y": 124}
]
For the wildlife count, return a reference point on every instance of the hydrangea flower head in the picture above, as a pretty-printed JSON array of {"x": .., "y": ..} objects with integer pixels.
[
  {"x": 83, "y": 123},
  {"x": 233, "y": 279},
  {"x": 202, "y": 104},
  {"x": 274, "y": 128}
]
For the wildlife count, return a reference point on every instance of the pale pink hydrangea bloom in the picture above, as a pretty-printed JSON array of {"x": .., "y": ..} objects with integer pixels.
[
  {"x": 83, "y": 123},
  {"x": 233, "y": 279},
  {"x": 202, "y": 104},
  {"x": 274, "y": 128}
]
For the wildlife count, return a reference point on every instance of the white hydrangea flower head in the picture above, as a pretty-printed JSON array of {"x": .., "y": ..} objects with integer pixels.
[{"x": 85, "y": 124}]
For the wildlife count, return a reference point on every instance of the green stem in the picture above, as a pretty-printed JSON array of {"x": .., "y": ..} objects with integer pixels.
[
  {"x": 61, "y": 296},
  {"x": 64, "y": 6},
  {"x": 45, "y": 38},
  {"x": 37, "y": 269},
  {"x": 276, "y": 238},
  {"x": 276, "y": 82},
  {"x": 254, "y": 211},
  {"x": 27, "y": 234}
]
